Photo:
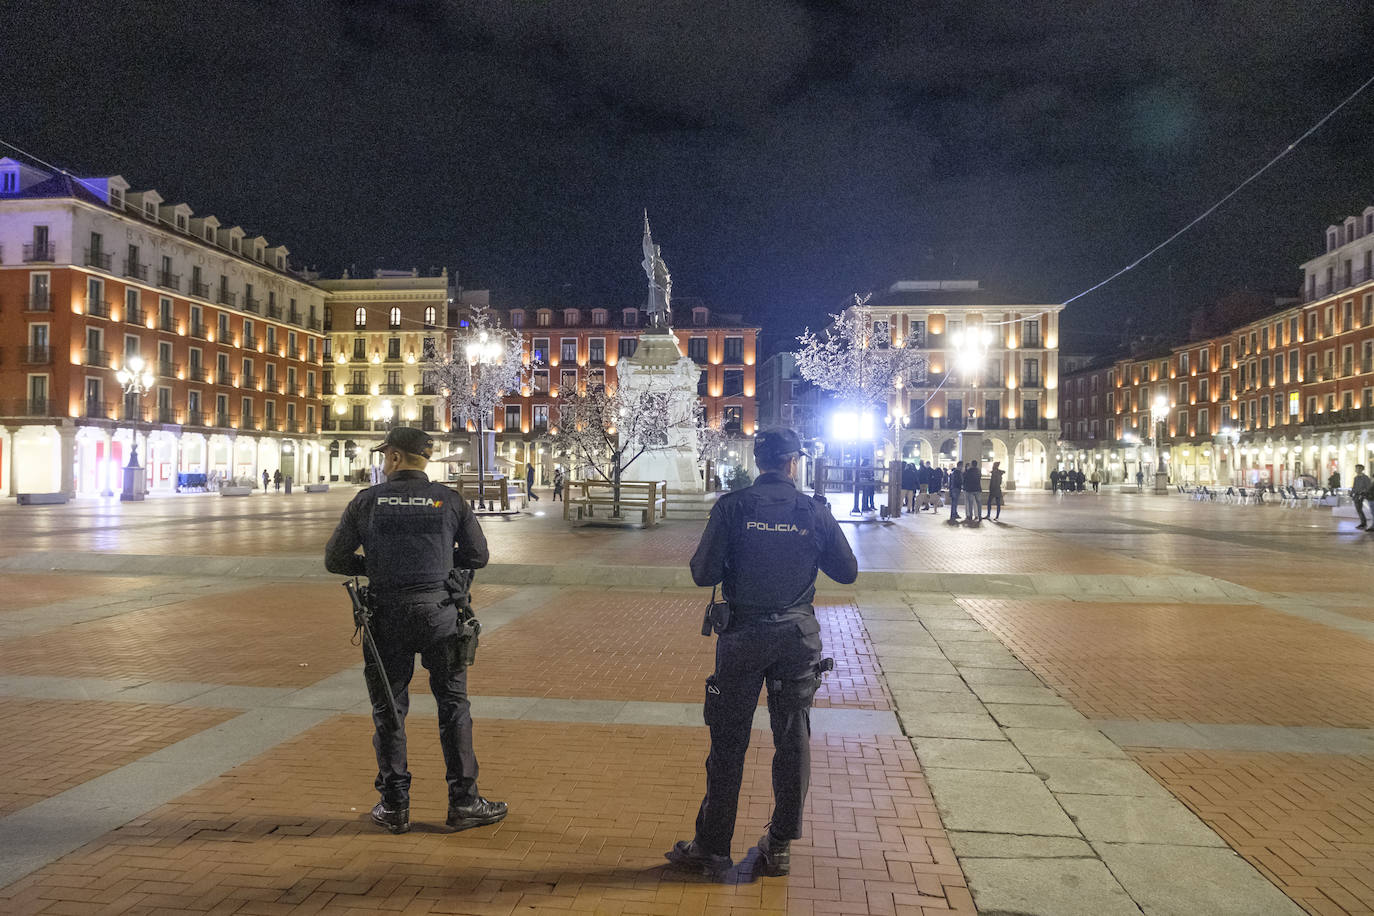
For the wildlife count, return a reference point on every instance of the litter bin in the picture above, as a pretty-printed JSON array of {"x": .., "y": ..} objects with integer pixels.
[{"x": 288, "y": 484}]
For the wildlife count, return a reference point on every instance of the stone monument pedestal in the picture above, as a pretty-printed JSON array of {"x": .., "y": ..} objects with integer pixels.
[{"x": 658, "y": 364}]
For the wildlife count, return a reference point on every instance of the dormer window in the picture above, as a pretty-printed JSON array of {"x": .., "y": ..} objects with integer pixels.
[
  {"x": 117, "y": 198},
  {"x": 700, "y": 316},
  {"x": 630, "y": 317},
  {"x": 209, "y": 234},
  {"x": 599, "y": 316},
  {"x": 1331, "y": 240},
  {"x": 150, "y": 210},
  {"x": 181, "y": 222},
  {"x": 9, "y": 181},
  {"x": 281, "y": 262},
  {"x": 544, "y": 318},
  {"x": 234, "y": 244},
  {"x": 517, "y": 318},
  {"x": 571, "y": 316}
]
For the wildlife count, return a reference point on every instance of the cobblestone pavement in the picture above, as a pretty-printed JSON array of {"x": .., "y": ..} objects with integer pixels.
[{"x": 1107, "y": 704}]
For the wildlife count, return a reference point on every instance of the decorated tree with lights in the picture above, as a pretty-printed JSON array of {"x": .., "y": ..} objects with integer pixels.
[
  {"x": 486, "y": 364},
  {"x": 858, "y": 361},
  {"x": 602, "y": 430}
]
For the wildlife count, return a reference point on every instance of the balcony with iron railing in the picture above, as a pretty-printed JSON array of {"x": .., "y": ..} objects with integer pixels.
[
  {"x": 269, "y": 424},
  {"x": 392, "y": 388},
  {"x": 96, "y": 409},
  {"x": 294, "y": 316},
  {"x": 432, "y": 390},
  {"x": 98, "y": 358},
  {"x": 132, "y": 412},
  {"x": 195, "y": 418},
  {"x": 1032, "y": 423},
  {"x": 135, "y": 315},
  {"x": 200, "y": 290},
  {"x": 168, "y": 369},
  {"x": 97, "y": 308},
  {"x": 168, "y": 280},
  {"x": 1338, "y": 282},
  {"x": 39, "y": 252},
  {"x": 250, "y": 341},
  {"x": 224, "y": 297},
  {"x": 197, "y": 330},
  {"x": 314, "y": 324},
  {"x": 167, "y": 323},
  {"x": 429, "y": 424},
  {"x": 248, "y": 421},
  {"x": 292, "y": 426},
  {"x": 274, "y": 311},
  {"x": 97, "y": 259},
  {"x": 358, "y": 358},
  {"x": 328, "y": 424},
  {"x": 196, "y": 373},
  {"x": 29, "y": 407},
  {"x": 310, "y": 391},
  {"x": 38, "y": 302},
  {"x": 251, "y": 304},
  {"x": 1361, "y": 414},
  {"x": 357, "y": 388},
  {"x": 223, "y": 420},
  {"x": 164, "y": 414},
  {"x": 135, "y": 270},
  {"x": 35, "y": 355},
  {"x": 248, "y": 381}
]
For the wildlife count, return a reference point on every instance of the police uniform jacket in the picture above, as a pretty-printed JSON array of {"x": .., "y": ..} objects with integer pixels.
[
  {"x": 413, "y": 532},
  {"x": 766, "y": 542}
]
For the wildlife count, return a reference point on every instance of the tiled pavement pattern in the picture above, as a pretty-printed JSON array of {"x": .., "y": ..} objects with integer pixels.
[
  {"x": 1045, "y": 807},
  {"x": 1305, "y": 820},
  {"x": 647, "y": 646},
  {"x": 52, "y": 745},
  {"x": 592, "y": 808}
]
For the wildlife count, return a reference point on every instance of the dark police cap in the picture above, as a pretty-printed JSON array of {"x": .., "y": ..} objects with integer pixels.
[
  {"x": 408, "y": 439},
  {"x": 776, "y": 444}
]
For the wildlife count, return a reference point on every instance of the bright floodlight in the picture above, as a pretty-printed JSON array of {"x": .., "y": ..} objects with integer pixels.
[{"x": 851, "y": 426}]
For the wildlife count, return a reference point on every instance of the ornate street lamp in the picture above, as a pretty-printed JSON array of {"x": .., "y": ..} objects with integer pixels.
[
  {"x": 1159, "y": 414},
  {"x": 137, "y": 380},
  {"x": 482, "y": 351},
  {"x": 896, "y": 420}
]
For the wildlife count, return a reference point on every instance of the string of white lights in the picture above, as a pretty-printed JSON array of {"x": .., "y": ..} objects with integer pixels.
[{"x": 1209, "y": 211}]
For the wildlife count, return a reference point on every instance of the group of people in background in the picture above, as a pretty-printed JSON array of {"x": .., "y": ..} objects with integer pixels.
[
  {"x": 921, "y": 484},
  {"x": 1073, "y": 480}
]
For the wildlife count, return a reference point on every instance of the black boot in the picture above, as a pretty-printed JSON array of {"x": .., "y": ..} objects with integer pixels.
[
  {"x": 775, "y": 856},
  {"x": 691, "y": 857},
  {"x": 476, "y": 813},
  {"x": 397, "y": 820}
]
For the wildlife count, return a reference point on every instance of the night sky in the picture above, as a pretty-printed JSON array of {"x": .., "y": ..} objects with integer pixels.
[{"x": 789, "y": 153}]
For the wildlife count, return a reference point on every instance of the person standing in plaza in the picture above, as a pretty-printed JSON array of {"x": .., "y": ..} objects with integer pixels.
[
  {"x": 995, "y": 490},
  {"x": 529, "y": 481},
  {"x": 1140, "y": 481},
  {"x": 1096, "y": 479},
  {"x": 276, "y": 480},
  {"x": 973, "y": 493},
  {"x": 413, "y": 533},
  {"x": 908, "y": 486},
  {"x": 956, "y": 486},
  {"x": 765, "y": 544},
  {"x": 557, "y": 484},
  {"x": 266, "y": 478},
  {"x": 1359, "y": 492}
]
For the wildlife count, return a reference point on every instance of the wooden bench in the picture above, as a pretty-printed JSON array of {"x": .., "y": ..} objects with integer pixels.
[
  {"x": 594, "y": 501},
  {"x": 503, "y": 492}
]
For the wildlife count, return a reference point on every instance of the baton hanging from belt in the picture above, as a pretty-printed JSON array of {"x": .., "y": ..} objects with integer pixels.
[{"x": 378, "y": 685}]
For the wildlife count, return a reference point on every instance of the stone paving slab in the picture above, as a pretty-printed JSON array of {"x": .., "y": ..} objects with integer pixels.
[
  {"x": 1041, "y": 886},
  {"x": 1187, "y": 881}
]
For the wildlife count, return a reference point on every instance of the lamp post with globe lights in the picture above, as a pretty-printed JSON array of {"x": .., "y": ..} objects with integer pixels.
[
  {"x": 1159, "y": 415},
  {"x": 137, "y": 380},
  {"x": 896, "y": 420}
]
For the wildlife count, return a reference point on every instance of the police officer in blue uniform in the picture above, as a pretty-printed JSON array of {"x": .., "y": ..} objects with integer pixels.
[
  {"x": 413, "y": 532},
  {"x": 765, "y": 543}
]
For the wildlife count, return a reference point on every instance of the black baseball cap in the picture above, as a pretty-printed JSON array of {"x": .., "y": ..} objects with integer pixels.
[
  {"x": 776, "y": 444},
  {"x": 408, "y": 439}
]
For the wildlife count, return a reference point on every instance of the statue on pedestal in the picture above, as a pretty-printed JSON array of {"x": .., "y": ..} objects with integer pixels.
[{"x": 660, "y": 283}]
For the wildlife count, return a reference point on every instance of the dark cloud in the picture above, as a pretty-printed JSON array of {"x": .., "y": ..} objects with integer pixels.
[{"x": 788, "y": 152}]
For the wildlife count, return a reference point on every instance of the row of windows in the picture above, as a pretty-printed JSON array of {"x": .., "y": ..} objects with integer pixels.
[
  {"x": 701, "y": 317},
  {"x": 393, "y": 317},
  {"x": 916, "y": 333},
  {"x": 95, "y": 405}
]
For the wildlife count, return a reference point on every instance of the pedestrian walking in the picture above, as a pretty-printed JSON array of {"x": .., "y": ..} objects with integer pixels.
[
  {"x": 265, "y": 479},
  {"x": 557, "y": 484},
  {"x": 529, "y": 481},
  {"x": 1359, "y": 491},
  {"x": 1140, "y": 481},
  {"x": 413, "y": 533},
  {"x": 276, "y": 479},
  {"x": 973, "y": 493},
  {"x": 995, "y": 490},
  {"x": 956, "y": 486},
  {"x": 765, "y": 544},
  {"x": 1096, "y": 479}
]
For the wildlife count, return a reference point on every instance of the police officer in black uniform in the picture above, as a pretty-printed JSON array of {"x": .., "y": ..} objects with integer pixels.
[
  {"x": 765, "y": 544},
  {"x": 413, "y": 532}
]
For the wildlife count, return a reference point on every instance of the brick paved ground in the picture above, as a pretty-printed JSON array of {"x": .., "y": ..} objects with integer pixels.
[
  {"x": 592, "y": 810},
  {"x": 1189, "y": 662},
  {"x": 26, "y": 590},
  {"x": 1305, "y": 820},
  {"x": 53, "y": 745},
  {"x": 627, "y": 645}
]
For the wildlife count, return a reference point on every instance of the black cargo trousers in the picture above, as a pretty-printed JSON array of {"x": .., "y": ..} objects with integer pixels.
[
  {"x": 424, "y": 622},
  {"x": 784, "y": 650}
]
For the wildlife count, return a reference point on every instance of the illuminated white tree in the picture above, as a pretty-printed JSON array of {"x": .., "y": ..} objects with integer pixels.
[
  {"x": 484, "y": 366},
  {"x": 603, "y": 430}
]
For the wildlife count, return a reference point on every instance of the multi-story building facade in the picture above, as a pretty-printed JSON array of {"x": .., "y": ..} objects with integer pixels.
[
  {"x": 381, "y": 331},
  {"x": 1009, "y": 385},
  {"x": 93, "y": 274},
  {"x": 1287, "y": 395},
  {"x": 570, "y": 348}
]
